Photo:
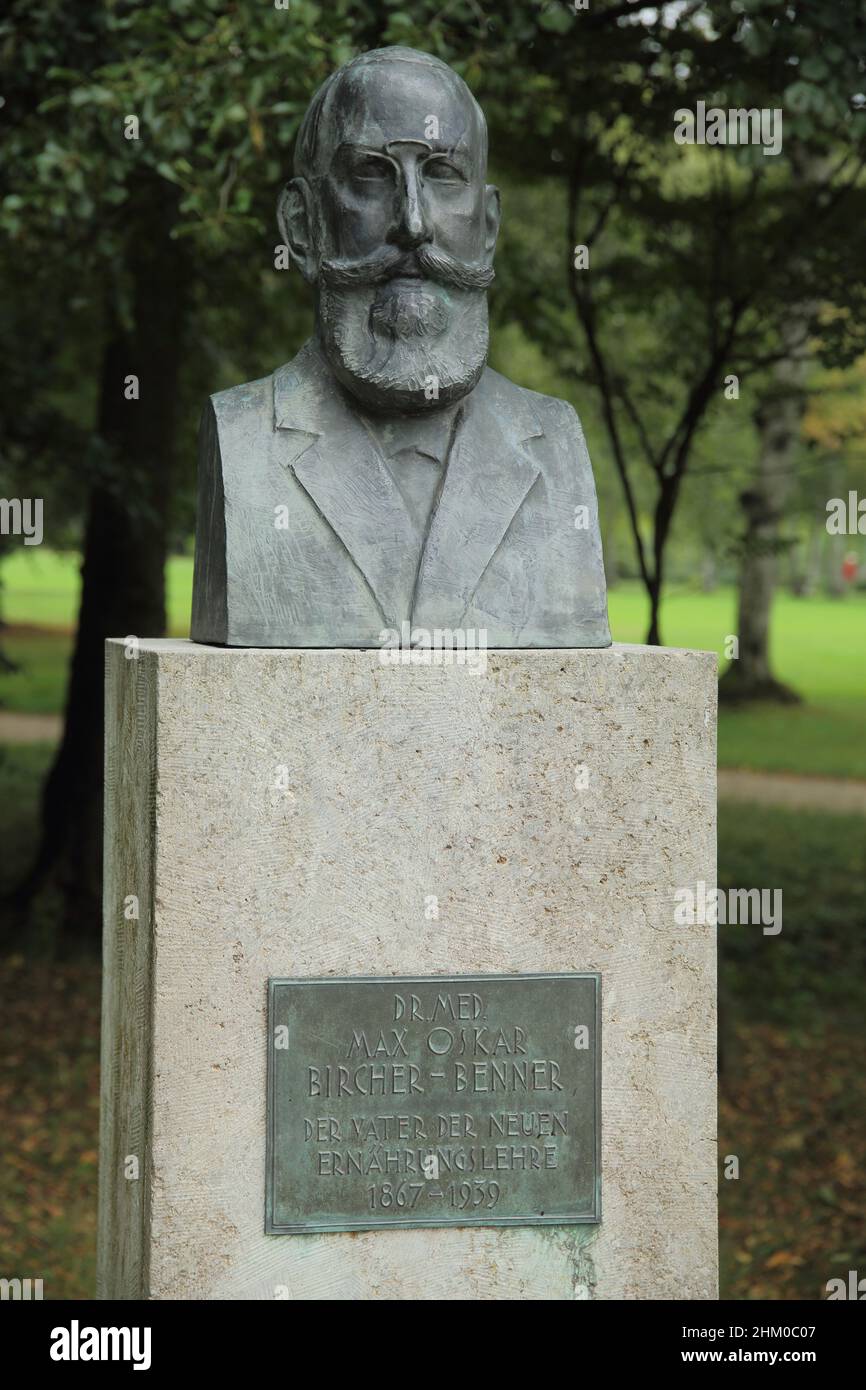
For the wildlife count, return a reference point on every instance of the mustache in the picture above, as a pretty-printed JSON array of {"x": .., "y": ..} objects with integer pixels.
[{"x": 390, "y": 262}]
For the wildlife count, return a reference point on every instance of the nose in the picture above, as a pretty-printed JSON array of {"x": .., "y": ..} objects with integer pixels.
[{"x": 411, "y": 228}]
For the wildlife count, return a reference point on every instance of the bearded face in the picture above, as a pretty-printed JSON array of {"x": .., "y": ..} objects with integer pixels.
[
  {"x": 404, "y": 333},
  {"x": 390, "y": 218}
]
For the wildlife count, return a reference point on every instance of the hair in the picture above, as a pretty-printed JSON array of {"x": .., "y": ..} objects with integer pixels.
[{"x": 308, "y": 143}]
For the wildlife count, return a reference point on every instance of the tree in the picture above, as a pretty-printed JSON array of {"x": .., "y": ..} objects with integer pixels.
[
  {"x": 145, "y": 148},
  {"x": 143, "y": 144},
  {"x": 693, "y": 249},
  {"x": 830, "y": 465},
  {"x": 777, "y": 417}
]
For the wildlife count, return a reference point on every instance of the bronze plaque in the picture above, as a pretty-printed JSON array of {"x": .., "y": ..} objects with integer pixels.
[{"x": 464, "y": 1100}]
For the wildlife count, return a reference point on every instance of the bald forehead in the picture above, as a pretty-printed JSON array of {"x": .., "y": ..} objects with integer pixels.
[{"x": 375, "y": 104}]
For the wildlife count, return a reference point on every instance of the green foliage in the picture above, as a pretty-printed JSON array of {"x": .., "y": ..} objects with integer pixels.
[
  {"x": 699, "y": 255},
  {"x": 689, "y": 240}
]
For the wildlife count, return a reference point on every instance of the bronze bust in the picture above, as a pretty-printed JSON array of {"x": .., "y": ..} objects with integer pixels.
[{"x": 386, "y": 475}]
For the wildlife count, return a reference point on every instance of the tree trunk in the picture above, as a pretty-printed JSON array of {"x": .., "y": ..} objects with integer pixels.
[
  {"x": 778, "y": 417},
  {"x": 123, "y": 569},
  {"x": 654, "y": 636}
]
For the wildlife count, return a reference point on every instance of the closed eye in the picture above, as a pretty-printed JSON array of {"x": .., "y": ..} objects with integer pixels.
[
  {"x": 371, "y": 168},
  {"x": 441, "y": 170}
]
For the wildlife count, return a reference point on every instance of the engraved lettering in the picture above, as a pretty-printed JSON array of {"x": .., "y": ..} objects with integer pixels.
[{"x": 433, "y": 1102}]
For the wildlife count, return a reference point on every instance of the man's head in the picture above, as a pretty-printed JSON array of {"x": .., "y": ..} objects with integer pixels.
[{"x": 390, "y": 218}]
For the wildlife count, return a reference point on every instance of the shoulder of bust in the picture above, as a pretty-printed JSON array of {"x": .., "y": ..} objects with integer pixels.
[
  {"x": 259, "y": 396},
  {"x": 552, "y": 412},
  {"x": 249, "y": 397}
]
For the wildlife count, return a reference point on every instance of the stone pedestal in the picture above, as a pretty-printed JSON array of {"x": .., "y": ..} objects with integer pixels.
[{"x": 316, "y": 813}]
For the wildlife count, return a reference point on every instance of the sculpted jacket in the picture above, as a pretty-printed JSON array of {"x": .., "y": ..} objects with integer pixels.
[{"x": 304, "y": 540}]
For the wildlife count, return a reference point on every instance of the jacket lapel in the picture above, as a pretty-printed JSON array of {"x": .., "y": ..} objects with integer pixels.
[
  {"x": 331, "y": 454},
  {"x": 489, "y": 474}
]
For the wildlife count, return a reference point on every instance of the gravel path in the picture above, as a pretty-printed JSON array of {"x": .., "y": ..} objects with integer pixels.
[
  {"x": 839, "y": 794},
  {"x": 29, "y": 728}
]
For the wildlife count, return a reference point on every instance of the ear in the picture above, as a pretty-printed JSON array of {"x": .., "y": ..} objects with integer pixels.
[
  {"x": 492, "y": 218},
  {"x": 294, "y": 221}
]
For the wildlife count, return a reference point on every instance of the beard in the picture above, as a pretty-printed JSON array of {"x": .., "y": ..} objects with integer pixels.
[{"x": 404, "y": 343}]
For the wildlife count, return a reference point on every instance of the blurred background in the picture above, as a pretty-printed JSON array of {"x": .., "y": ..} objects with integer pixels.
[{"x": 702, "y": 306}]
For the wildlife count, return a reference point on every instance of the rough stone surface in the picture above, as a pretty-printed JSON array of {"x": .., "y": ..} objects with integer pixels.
[{"x": 402, "y": 782}]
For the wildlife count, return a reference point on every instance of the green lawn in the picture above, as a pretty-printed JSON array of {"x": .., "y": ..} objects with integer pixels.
[
  {"x": 39, "y": 600},
  {"x": 818, "y": 647},
  {"x": 42, "y": 658},
  {"x": 40, "y": 588}
]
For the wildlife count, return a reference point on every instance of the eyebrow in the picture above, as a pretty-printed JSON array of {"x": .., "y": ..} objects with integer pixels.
[{"x": 432, "y": 147}]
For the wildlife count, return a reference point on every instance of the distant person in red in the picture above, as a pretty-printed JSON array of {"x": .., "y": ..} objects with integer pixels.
[{"x": 849, "y": 568}]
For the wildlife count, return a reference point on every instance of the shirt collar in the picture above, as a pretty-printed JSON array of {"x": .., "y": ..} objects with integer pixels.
[{"x": 427, "y": 434}]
